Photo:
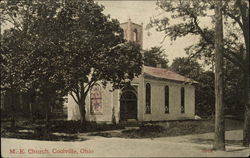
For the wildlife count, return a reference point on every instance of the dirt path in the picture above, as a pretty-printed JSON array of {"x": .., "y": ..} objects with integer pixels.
[{"x": 95, "y": 146}]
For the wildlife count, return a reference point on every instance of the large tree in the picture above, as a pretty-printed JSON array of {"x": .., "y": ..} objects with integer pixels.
[
  {"x": 96, "y": 50},
  {"x": 30, "y": 59},
  {"x": 189, "y": 15},
  {"x": 73, "y": 44},
  {"x": 11, "y": 68},
  {"x": 219, "y": 134}
]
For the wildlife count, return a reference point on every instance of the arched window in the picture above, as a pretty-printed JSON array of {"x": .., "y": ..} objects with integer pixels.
[
  {"x": 166, "y": 99},
  {"x": 96, "y": 99},
  {"x": 135, "y": 35},
  {"x": 148, "y": 98},
  {"x": 182, "y": 100}
]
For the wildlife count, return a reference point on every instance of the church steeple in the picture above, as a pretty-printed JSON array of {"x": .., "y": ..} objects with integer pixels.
[{"x": 133, "y": 32}]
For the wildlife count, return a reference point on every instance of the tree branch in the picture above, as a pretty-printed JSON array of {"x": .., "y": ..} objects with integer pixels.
[
  {"x": 76, "y": 91},
  {"x": 72, "y": 95},
  {"x": 203, "y": 35},
  {"x": 237, "y": 19},
  {"x": 90, "y": 85},
  {"x": 245, "y": 29}
]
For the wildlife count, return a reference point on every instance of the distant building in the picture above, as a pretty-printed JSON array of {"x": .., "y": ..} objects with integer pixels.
[{"x": 157, "y": 94}]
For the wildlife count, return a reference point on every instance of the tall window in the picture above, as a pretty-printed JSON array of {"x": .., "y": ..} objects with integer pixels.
[
  {"x": 135, "y": 35},
  {"x": 96, "y": 100},
  {"x": 182, "y": 100},
  {"x": 166, "y": 99},
  {"x": 148, "y": 98}
]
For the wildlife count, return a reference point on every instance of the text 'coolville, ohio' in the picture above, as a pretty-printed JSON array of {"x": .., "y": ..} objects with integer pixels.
[{"x": 51, "y": 151}]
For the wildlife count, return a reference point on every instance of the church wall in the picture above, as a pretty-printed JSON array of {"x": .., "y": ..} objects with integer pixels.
[
  {"x": 158, "y": 101},
  {"x": 140, "y": 99},
  {"x": 73, "y": 109},
  {"x": 110, "y": 107},
  {"x": 190, "y": 100},
  {"x": 116, "y": 105},
  {"x": 107, "y": 105},
  {"x": 111, "y": 102}
]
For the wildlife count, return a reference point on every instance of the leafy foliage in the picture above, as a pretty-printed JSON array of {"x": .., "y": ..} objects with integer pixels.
[
  {"x": 234, "y": 90},
  {"x": 190, "y": 15},
  {"x": 155, "y": 56},
  {"x": 204, "y": 96},
  {"x": 55, "y": 48},
  {"x": 187, "y": 67}
]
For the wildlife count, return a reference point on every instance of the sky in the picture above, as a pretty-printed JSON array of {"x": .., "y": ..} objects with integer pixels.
[{"x": 141, "y": 12}]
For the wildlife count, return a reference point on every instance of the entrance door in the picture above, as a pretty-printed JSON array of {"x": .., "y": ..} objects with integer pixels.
[{"x": 128, "y": 105}]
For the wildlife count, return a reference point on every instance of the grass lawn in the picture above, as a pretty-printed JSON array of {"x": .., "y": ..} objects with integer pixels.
[
  {"x": 58, "y": 130},
  {"x": 70, "y": 130},
  {"x": 172, "y": 128}
]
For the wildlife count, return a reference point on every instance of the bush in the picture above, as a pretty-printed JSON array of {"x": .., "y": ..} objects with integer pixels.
[{"x": 151, "y": 128}]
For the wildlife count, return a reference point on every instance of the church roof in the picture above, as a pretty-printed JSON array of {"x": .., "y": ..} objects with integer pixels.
[{"x": 165, "y": 74}]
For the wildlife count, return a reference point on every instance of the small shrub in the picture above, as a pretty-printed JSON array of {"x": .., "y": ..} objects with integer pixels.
[{"x": 151, "y": 128}]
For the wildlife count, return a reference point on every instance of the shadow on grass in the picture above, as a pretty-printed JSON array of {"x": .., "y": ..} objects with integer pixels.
[
  {"x": 67, "y": 130},
  {"x": 58, "y": 130},
  {"x": 106, "y": 135},
  {"x": 71, "y": 127},
  {"x": 241, "y": 149},
  {"x": 40, "y": 135},
  {"x": 144, "y": 131},
  {"x": 170, "y": 129}
]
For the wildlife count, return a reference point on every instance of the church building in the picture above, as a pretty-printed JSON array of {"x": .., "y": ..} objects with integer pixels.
[{"x": 157, "y": 94}]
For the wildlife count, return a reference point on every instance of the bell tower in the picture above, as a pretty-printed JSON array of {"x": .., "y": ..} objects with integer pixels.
[{"x": 133, "y": 32}]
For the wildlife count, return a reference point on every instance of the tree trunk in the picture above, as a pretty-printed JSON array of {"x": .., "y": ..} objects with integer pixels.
[
  {"x": 47, "y": 114},
  {"x": 246, "y": 127},
  {"x": 245, "y": 23},
  {"x": 31, "y": 112},
  {"x": 82, "y": 112},
  {"x": 246, "y": 131},
  {"x": 219, "y": 140},
  {"x": 13, "y": 110},
  {"x": 31, "y": 105}
]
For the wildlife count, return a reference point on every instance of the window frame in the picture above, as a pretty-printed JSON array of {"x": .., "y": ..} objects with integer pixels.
[
  {"x": 135, "y": 35},
  {"x": 166, "y": 99},
  {"x": 148, "y": 98},
  {"x": 92, "y": 112},
  {"x": 182, "y": 100}
]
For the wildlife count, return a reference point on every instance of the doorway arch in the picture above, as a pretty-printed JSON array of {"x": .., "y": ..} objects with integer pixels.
[{"x": 128, "y": 105}]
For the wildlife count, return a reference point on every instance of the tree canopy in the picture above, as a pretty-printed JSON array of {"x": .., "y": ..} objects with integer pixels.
[
  {"x": 66, "y": 47},
  {"x": 155, "y": 56},
  {"x": 189, "y": 17},
  {"x": 187, "y": 67}
]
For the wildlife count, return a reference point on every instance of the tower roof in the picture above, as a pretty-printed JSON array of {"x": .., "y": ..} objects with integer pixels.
[{"x": 131, "y": 23}]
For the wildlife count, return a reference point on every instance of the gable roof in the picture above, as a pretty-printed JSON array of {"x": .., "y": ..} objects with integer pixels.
[{"x": 165, "y": 74}]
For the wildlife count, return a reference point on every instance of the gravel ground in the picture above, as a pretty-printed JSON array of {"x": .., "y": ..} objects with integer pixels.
[{"x": 95, "y": 146}]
